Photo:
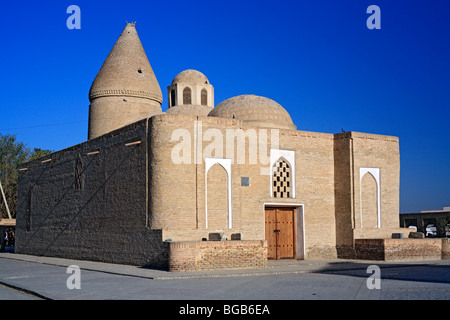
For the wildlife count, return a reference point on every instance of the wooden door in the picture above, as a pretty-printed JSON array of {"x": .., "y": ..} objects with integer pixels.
[
  {"x": 271, "y": 236},
  {"x": 280, "y": 233},
  {"x": 285, "y": 233}
]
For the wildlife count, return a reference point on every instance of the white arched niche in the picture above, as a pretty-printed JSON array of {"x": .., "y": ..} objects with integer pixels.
[
  {"x": 289, "y": 156},
  {"x": 375, "y": 172},
  {"x": 226, "y": 164}
]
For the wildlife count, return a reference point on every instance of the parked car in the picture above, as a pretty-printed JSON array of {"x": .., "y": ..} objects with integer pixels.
[
  {"x": 431, "y": 231},
  {"x": 447, "y": 230}
]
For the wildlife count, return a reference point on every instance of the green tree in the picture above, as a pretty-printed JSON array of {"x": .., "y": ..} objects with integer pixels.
[
  {"x": 12, "y": 154},
  {"x": 37, "y": 153}
]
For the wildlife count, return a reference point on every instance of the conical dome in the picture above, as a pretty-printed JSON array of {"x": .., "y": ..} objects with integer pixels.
[
  {"x": 127, "y": 71},
  {"x": 126, "y": 89}
]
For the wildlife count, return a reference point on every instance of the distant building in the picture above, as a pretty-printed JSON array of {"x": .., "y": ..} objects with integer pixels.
[{"x": 424, "y": 218}]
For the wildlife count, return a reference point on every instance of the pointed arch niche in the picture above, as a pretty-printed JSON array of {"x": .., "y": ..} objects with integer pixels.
[
  {"x": 226, "y": 164},
  {"x": 375, "y": 173}
]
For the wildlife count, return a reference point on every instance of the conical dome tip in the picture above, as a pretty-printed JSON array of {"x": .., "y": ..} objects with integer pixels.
[{"x": 126, "y": 70}]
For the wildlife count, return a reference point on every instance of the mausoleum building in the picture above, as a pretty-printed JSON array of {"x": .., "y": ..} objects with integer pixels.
[{"x": 200, "y": 185}]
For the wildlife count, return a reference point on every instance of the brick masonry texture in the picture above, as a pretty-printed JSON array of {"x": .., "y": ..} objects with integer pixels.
[
  {"x": 125, "y": 89},
  {"x": 445, "y": 248},
  {"x": 327, "y": 183},
  {"x": 402, "y": 249},
  {"x": 122, "y": 203},
  {"x": 207, "y": 255},
  {"x": 88, "y": 205},
  {"x": 119, "y": 197}
]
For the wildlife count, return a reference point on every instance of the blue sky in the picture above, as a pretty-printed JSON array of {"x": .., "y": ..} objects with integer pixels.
[{"x": 316, "y": 58}]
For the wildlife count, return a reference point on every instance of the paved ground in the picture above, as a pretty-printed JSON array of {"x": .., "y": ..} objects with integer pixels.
[{"x": 27, "y": 277}]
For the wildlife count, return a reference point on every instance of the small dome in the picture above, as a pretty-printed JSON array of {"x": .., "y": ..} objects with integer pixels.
[
  {"x": 254, "y": 110},
  {"x": 190, "y": 109},
  {"x": 190, "y": 76}
]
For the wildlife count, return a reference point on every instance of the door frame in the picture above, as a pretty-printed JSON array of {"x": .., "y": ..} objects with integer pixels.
[{"x": 299, "y": 228}]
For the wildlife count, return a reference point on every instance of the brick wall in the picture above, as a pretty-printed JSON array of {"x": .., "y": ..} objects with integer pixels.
[
  {"x": 353, "y": 150},
  {"x": 104, "y": 200},
  {"x": 377, "y": 151},
  {"x": 90, "y": 202},
  {"x": 178, "y": 190},
  {"x": 445, "y": 248},
  {"x": 208, "y": 255},
  {"x": 401, "y": 249}
]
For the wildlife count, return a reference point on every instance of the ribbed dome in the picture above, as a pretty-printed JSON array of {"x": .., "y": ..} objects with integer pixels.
[
  {"x": 190, "y": 109},
  {"x": 190, "y": 76},
  {"x": 127, "y": 71},
  {"x": 254, "y": 110}
]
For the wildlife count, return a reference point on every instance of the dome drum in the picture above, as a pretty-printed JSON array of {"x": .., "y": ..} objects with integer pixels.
[{"x": 190, "y": 87}]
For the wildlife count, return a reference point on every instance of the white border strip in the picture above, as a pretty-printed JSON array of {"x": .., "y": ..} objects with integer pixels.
[
  {"x": 226, "y": 164},
  {"x": 375, "y": 172},
  {"x": 289, "y": 155}
]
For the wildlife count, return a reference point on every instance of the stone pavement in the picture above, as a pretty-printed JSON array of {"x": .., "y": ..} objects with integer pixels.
[
  {"x": 274, "y": 267},
  {"x": 46, "y": 278}
]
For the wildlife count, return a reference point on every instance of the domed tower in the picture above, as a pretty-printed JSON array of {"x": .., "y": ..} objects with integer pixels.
[
  {"x": 190, "y": 93},
  {"x": 125, "y": 90}
]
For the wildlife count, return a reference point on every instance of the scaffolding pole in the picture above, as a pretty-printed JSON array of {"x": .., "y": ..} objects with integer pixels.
[{"x": 4, "y": 199}]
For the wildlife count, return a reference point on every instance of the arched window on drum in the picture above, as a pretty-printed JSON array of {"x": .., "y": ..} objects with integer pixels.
[
  {"x": 172, "y": 97},
  {"x": 187, "y": 96},
  {"x": 204, "y": 97}
]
